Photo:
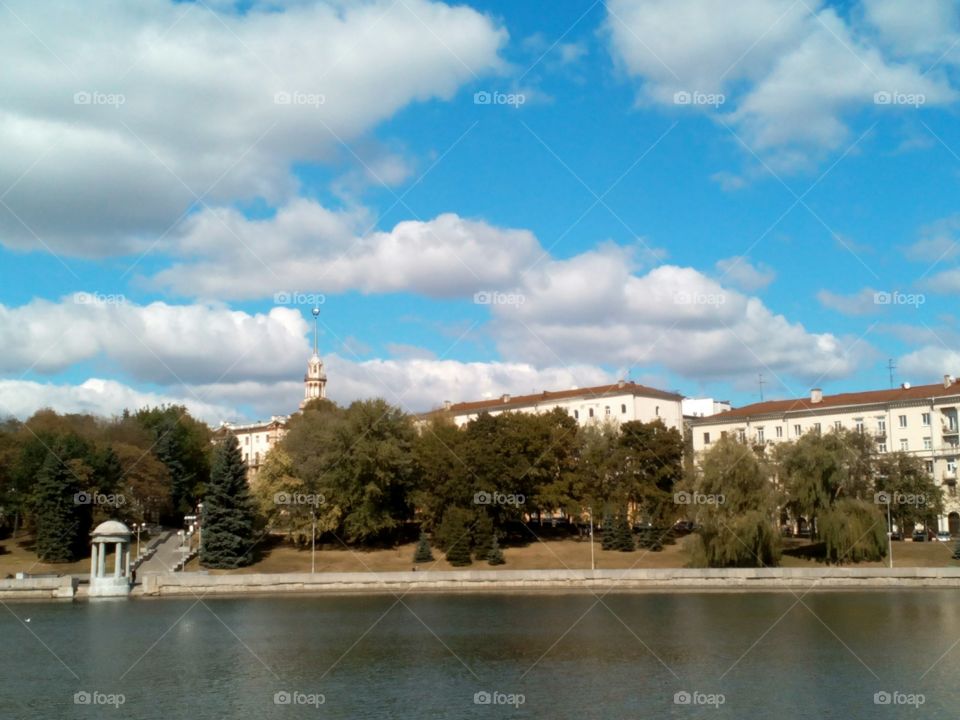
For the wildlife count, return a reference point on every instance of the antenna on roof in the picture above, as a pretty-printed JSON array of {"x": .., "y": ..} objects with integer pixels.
[
  {"x": 761, "y": 382},
  {"x": 891, "y": 366}
]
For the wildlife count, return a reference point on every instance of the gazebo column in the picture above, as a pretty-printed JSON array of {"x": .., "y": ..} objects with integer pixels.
[
  {"x": 93, "y": 560},
  {"x": 101, "y": 560},
  {"x": 118, "y": 560}
]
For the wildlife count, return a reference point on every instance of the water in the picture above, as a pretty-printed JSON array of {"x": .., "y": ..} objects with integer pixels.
[{"x": 426, "y": 656}]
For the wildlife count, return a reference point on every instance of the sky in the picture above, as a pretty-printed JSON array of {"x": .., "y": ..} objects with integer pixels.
[{"x": 481, "y": 198}]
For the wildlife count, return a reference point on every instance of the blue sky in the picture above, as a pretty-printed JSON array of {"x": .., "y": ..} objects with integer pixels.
[{"x": 620, "y": 230}]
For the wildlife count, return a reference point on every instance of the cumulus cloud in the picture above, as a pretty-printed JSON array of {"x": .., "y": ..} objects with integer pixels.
[
  {"x": 789, "y": 72},
  {"x": 938, "y": 242},
  {"x": 157, "y": 343},
  {"x": 919, "y": 27},
  {"x": 860, "y": 303},
  {"x": 306, "y": 247},
  {"x": 930, "y": 363},
  {"x": 673, "y": 317},
  {"x": 93, "y": 126},
  {"x": 739, "y": 271}
]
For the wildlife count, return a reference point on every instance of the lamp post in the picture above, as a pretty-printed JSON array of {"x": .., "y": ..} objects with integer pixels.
[
  {"x": 313, "y": 541},
  {"x": 199, "y": 527},
  {"x": 593, "y": 562},
  {"x": 139, "y": 527},
  {"x": 889, "y": 533}
]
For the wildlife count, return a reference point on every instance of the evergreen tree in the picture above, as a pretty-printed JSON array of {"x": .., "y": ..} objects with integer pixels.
[
  {"x": 423, "y": 553},
  {"x": 57, "y": 513},
  {"x": 454, "y": 535},
  {"x": 623, "y": 535},
  {"x": 608, "y": 539},
  {"x": 495, "y": 554},
  {"x": 228, "y": 514}
]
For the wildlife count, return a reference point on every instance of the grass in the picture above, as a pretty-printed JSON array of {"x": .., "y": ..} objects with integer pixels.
[{"x": 279, "y": 557}]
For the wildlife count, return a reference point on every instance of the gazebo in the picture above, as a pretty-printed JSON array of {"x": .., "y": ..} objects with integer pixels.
[{"x": 118, "y": 584}]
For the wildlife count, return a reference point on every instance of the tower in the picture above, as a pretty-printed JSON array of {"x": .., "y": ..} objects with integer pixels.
[{"x": 315, "y": 381}]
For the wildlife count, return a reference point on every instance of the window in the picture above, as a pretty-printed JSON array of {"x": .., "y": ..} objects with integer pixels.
[
  {"x": 256, "y": 458},
  {"x": 837, "y": 424},
  {"x": 929, "y": 467},
  {"x": 656, "y": 411},
  {"x": 881, "y": 447},
  {"x": 778, "y": 431},
  {"x": 606, "y": 410},
  {"x": 760, "y": 435},
  {"x": 590, "y": 412},
  {"x": 797, "y": 432},
  {"x": 951, "y": 465},
  {"x": 623, "y": 408},
  {"x": 576, "y": 414},
  {"x": 706, "y": 438},
  {"x": 904, "y": 445},
  {"x": 246, "y": 439},
  {"x": 816, "y": 428},
  {"x": 925, "y": 419},
  {"x": 723, "y": 434},
  {"x": 902, "y": 420},
  {"x": 742, "y": 435},
  {"x": 881, "y": 425},
  {"x": 858, "y": 424},
  {"x": 928, "y": 443}
]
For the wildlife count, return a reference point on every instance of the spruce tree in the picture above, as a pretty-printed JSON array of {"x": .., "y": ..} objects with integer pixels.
[
  {"x": 423, "y": 553},
  {"x": 623, "y": 535},
  {"x": 495, "y": 554},
  {"x": 228, "y": 514},
  {"x": 607, "y": 539},
  {"x": 56, "y": 511}
]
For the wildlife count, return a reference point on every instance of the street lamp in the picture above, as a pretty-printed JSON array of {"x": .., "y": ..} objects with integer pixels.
[
  {"x": 889, "y": 533},
  {"x": 139, "y": 527},
  {"x": 313, "y": 541},
  {"x": 593, "y": 562}
]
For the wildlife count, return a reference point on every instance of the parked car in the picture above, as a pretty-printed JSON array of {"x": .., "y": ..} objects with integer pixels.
[
  {"x": 944, "y": 536},
  {"x": 919, "y": 536},
  {"x": 896, "y": 535}
]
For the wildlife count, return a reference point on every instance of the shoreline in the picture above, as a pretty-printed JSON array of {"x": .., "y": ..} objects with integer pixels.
[{"x": 659, "y": 580}]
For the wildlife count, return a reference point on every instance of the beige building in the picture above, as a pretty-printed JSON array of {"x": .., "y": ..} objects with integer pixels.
[
  {"x": 621, "y": 402},
  {"x": 920, "y": 420}
]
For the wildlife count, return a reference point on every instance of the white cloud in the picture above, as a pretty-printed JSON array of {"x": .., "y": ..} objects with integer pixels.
[
  {"x": 158, "y": 343},
  {"x": 919, "y": 26},
  {"x": 22, "y": 398},
  {"x": 739, "y": 271},
  {"x": 306, "y": 247},
  {"x": 860, "y": 303},
  {"x": 946, "y": 282},
  {"x": 790, "y": 72},
  {"x": 184, "y": 101},
  {"x": 930, "y": 363},
  {"x": 938, "y": 241},
  {"x": 592, "y": 309}
]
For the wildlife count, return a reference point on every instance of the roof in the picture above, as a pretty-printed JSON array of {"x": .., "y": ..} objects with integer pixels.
[
  {"x": 510, "y": 402},
  {"x": 869, "y": 397},
  {"x": 110, "y": 528}
]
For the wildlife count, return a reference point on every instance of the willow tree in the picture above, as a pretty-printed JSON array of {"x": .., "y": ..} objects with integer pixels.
[
  {"x": 735, "y": 508},
  {"x": 853, "y": 531}
]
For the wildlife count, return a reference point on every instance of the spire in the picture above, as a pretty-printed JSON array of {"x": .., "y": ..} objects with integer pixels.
[
  {"x": 315, "y": 381},
  {"x": 316, "y": 331}
]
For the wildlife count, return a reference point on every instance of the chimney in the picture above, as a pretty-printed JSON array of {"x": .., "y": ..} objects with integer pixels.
[
  {"x": 947, "y": 380},
  {"x": 905, "y": 386},
  {"x": 621, "y": 383},
  {"x": 447, "y": 404},
  {"x": 816, "y": 395},
  {"x": 505, "y": 398}
]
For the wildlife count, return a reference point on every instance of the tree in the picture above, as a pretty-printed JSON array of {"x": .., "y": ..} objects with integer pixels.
[
  {"x": 454, "y": 535},
  {"x": 914, "y": 498},
  {"x": 650, "y": 457},
  {"x": 423, "y": 552},
  {"x": 283, "y": 500},
  {"x": 735, "y": 510},
  {"x": 622, "y": 534},
  {"x": 144, "y": 485},
  {"x": 228, "y": 515},
  {"x": 495, "y": 554},
  {"x": 60, "y": 523},
  {"x": 442, "y": 476},
  {"x": 853, "y": 531}
]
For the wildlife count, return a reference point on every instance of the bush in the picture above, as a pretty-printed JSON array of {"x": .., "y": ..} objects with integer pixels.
[
  {"x": 853, "y": 531},
  {"x": 423, "y": 552}
]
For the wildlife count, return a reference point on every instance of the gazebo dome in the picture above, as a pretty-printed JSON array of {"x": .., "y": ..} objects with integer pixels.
[{"x": 110, "y": 528}]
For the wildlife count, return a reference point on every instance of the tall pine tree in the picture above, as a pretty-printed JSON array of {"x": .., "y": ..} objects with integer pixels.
[
  {"x": 228, "y": 513},
  {"x": 57, "y": 514}
]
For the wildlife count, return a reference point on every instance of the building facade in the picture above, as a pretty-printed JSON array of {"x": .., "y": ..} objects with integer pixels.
[
  {"x": 621, "y": 402},
  {"x": 920, "y": 420}
]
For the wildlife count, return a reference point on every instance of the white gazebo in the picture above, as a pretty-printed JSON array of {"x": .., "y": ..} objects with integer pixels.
[{"x": 117, "y": 584}]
